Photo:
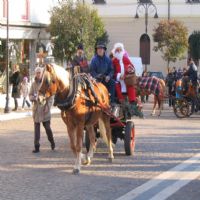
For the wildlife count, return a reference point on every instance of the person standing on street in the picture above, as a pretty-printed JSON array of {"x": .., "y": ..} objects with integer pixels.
[
  {"x": 41, "y": 112},
  {"x": 24, "y": 92},
  {"x": 15, "y": 80}
]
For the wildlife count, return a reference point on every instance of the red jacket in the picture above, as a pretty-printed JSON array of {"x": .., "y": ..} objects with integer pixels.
[{"x": 117, "y": 68}]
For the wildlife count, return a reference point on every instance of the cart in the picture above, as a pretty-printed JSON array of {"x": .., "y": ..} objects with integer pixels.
[{"x": 122, "y": 127}]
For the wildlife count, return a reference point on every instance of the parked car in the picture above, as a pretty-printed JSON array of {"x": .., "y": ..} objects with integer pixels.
[{"x": 156, "y": 74}]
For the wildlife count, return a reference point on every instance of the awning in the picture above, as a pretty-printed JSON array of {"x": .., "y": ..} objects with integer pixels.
[{"x": 24, "y": 33}]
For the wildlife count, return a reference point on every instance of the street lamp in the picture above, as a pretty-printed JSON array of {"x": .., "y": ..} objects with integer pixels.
[
  {"x": 169, "y": 13},
  {"x": 7, "y": 109},
  {"x": 146, "y": 5}
]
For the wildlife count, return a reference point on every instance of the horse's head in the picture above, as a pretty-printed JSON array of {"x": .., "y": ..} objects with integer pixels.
[{"x": 49, "y": 84}]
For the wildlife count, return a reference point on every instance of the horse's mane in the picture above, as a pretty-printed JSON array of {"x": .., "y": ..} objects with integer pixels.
[{"x": 62, "y": 74}]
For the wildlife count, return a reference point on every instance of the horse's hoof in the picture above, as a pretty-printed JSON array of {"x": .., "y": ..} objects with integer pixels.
[
  {"x": 76, "y": 171},
  {"x": 86, "y": 162},
  {"x": 110, "y": 160}
]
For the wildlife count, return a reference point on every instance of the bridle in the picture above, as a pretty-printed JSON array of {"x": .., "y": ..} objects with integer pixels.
[{"x": 49, "y": 83}]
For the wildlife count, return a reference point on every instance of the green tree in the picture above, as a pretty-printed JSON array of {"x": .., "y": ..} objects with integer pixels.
[
  {"x": 171, "y": 37},
  {"x": 72, "y": 24},
  {"x": 194, "y": 46}
]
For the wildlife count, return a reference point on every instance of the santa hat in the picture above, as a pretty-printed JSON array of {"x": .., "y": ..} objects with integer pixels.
[{"x": 118, "y": 45}]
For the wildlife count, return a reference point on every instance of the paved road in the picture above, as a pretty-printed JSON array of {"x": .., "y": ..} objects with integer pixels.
[{"x": 161, "y": 144}]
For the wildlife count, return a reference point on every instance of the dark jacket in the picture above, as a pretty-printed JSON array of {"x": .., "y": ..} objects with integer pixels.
[
  {"x": 170, "y": 79},
  {"x": 192, "y": 73},
  {"x": 82, "y": 62},
  {"x": 15, "y": 80},
  {"x": 101, "y": 66}
]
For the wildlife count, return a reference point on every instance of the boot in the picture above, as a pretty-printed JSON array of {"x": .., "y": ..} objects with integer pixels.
[
  {"x": 37, "y": 149},
  {"x": 134, "y": 110}
]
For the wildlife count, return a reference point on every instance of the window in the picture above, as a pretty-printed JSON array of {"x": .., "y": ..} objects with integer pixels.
[
  {"x": 145, "y": 49},
  {"x": 99, "y": 1},
  {"x": 25, "y": 16},
  {"x": 144, "y": 1},
  {"x": 4, "y": 8},
  {"x": 192, "y": 1}
]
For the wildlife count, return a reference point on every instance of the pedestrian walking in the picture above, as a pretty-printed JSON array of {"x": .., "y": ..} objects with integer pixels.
[
  {"x": 25, "y": 92},
  {"x": 41, "y": 112},
  {"x": 15, "y": 80},
  {"x": 170, "y": 82}
]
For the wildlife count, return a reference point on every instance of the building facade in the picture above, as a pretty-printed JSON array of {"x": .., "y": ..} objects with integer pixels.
[
  {"x": 122, "y": 26},
  {"x": 28, "y": 20}
]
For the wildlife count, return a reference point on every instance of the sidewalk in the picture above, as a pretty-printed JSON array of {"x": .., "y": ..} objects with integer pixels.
[{"x": 17, "y": 114}]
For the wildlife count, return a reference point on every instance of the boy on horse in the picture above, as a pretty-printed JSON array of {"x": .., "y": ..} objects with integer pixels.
[{"x": 101, "y": 69}]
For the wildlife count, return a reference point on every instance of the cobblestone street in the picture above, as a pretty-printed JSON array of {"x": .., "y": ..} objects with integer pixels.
[{"x": 161, "y": 143}]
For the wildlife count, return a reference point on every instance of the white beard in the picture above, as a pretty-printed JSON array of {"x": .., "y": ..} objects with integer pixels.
[{"x": 119, "y": 56}]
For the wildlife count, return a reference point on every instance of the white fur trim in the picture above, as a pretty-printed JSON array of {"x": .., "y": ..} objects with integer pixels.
[
  {"x": 122, "y": 67},
  {"x": 118, "y": 76},
  {"x": 123, "y": 86},
  {"x": 118, "y": 45}
]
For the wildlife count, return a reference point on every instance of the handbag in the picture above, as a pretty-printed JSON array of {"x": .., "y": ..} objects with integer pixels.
[{"x": 130, "y": 79}]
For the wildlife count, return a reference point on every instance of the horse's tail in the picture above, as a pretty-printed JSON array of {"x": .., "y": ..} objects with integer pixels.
[{"x": 102, "y": 130}]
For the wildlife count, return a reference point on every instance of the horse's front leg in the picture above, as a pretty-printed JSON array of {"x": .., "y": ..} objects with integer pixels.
[
  {"x": 79, "y": 141},
  {"x": 92, "y": 136}
]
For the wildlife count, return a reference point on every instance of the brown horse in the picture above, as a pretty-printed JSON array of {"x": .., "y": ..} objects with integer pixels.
[
  {"x": 155, "y": 86},
  {"x": 81, "y": 107},
  {"x": 188, "y": 89}
]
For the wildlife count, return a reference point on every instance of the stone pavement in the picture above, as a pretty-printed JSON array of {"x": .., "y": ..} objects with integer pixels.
[
  {"x": 19, "y": 113},
  {"x": 161, "y": 143}
]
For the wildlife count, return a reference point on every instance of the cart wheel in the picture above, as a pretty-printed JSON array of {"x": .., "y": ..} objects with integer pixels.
[
  {"x": 129, "y": 138},
  {"x": 87, "y": 141},
  {"x": 181, "y": 108}
]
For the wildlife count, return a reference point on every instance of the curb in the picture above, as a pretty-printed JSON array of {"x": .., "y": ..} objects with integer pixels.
[{"x": 14, "y": 115}]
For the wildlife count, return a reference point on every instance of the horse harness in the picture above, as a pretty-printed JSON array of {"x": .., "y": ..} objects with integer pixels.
[{"x": 84, "y": 82}]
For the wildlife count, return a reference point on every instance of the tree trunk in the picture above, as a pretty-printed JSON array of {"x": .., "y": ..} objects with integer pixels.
[{"x": 168, "y": 61}]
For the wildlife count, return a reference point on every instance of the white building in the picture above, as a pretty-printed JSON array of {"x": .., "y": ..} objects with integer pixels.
[
  {"x": 121, "y": 24},
  {"x": 28, "y": 20}
]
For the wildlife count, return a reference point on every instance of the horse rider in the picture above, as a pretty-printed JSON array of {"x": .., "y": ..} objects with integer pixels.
[
  {"x": 80, "y": 60},
  {"x": 192, "y": 74},
  {"x": 41, "y": 112},
  {"x": 102, "y": 70},
  {"x": 123, "y": 66}
]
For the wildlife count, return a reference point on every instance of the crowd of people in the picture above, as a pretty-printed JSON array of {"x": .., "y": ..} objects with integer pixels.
[{"x": 175, "y": 77}]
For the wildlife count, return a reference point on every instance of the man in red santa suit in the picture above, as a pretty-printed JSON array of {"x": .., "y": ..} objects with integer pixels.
[{"x": 122, "y": 66}]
